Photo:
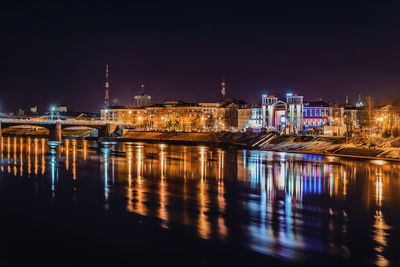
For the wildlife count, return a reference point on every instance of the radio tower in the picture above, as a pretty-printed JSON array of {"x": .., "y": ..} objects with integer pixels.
[{"x": 107, "y": 86}]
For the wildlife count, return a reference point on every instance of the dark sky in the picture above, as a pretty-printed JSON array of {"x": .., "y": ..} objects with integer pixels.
[{"x": 55, "y": 53}]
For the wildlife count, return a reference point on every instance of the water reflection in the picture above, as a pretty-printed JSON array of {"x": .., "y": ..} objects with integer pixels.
[
  {"x": 275, "y": 203},
  {"x": 106, "y": 153},
  {"x": 53, "y": 145}
]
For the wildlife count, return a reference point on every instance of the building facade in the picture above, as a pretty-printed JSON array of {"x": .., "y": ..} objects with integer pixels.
[
  {"x": 175, "y": 116},
  {"x": 250, "y": 118},
  {"x": 142, "y": 99},
  {"x": 282, "y": 116},
  {"x": 316, "y": 114}
]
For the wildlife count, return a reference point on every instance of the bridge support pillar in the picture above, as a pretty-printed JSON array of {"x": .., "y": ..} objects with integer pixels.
[
  {"x": 55, "y": 132},
  {"x": 105, "y": 131}
]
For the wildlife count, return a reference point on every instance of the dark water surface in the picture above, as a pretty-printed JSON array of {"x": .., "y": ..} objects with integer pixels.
[{"x": 300, "y": 208}]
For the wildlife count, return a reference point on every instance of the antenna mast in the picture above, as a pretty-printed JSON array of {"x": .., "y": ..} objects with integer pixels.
[{"x": 107, "y": 87}]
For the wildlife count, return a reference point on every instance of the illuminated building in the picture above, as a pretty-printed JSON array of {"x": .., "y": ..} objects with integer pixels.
[
  {"x": 249, "y": 118},
  {"x": 176, "y": 116},
  {"x": 123, "y": 114},
  {"x": 359, "y": 103},
  {"x": 336, "y": 114},
  {"x": 316, "y": 114},
  {"x": 294, "y": 121},
  {"x": 282, "y": 116},
  {"x": 142, "y": 99},
  {"x": 221, "y": 115}
]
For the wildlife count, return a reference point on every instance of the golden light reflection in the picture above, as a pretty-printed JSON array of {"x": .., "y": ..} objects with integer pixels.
[
  {"x": 163, "y": 212},
  {"x": 43, "y": 158},
  {"x": 379, "y": 187},
  {"x": 21, "y": 159},
  {"x": 380, "y": 237},
  {"x": 344, "y": 183},
  {"x": 74, "y": 159},
  {"x": 203, "y": 159},
  {"x": 84, "y": 149},
  {"x": 203, "y": 224},
  {"x": 36, "y": 156},
  {"x": 29, "y": 156},
  {"x": 222, "y": 229},
  {"x": 15, "y": 156},
  {"x": 67, "y": 154},
  {"x": 8, "y": 149},
  {"x": 129, "y": 156},
  {"x": 1, "y": 147},
  {"x": 141, "y": 208},
  {"x": 15, "y": 150}
]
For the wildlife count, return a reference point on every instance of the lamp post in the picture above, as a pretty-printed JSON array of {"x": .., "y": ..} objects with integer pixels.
[
  {"x": 52, "y": 110},
  {"x": 140, "y": 122},
  {"x": 105, "y": 114}
]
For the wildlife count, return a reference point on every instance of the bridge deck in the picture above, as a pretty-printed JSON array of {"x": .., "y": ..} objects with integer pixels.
[{"x": 63, "y": 122}]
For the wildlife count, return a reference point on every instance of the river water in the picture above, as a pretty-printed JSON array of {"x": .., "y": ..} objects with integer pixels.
[{"x": 290, "y": 206}]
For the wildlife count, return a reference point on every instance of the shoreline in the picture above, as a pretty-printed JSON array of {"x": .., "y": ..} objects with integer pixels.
[
  {"x": 216, "y": 139},
  {"x": 338, "y": 155}
]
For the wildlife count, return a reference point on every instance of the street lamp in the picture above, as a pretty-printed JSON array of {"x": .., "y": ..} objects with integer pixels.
[
  {"x": 105, "y": 114},
  {"x": 52, "y": 110}
]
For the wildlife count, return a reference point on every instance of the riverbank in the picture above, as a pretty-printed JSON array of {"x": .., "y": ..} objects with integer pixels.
[
  {"x": 225, "y": 138},
  {"x": 364, "y": 148}
]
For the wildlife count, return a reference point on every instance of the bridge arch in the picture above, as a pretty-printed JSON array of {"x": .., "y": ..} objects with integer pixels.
[{"x": 55, "y": 127}]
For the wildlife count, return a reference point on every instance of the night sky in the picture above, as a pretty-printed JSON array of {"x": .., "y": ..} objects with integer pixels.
[{"x": 55, "y": 53}]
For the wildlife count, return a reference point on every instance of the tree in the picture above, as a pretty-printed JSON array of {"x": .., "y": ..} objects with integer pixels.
[
  {"x": 396, "y": 132},
  {"x": 370, "y": 111},
  {"x": 349, "y": 124},
  {"x": 209, "y": 122},
  {"x": 231, "y": 118}
]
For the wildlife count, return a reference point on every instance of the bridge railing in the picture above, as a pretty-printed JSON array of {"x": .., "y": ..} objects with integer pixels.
[{"x": 65, "y": 122}]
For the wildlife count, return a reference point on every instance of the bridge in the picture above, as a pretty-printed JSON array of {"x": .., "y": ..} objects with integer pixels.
[{"x": 55, "y": 127}]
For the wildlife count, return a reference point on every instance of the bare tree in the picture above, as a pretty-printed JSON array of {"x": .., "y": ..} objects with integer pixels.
[
  {"x": 370, "y": 111},
  {"x": 349, "y": 124},
  {"x": 231, "y": 118}
]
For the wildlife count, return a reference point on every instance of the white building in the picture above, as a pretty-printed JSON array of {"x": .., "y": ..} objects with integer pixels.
[
  {"x": 282, "y": 116},
  {"x": 250, "y": 118}
]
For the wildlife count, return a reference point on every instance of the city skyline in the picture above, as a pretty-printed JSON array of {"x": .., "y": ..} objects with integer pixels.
[{"x": 56, "y": 53}]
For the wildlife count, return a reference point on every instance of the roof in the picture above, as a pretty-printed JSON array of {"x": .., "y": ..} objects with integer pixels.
[{"x": 316, "y": 104}]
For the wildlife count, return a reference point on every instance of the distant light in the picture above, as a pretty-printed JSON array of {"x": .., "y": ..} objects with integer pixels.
[
  {"x": 379, "y": 162},
  {"x": 265, "y": 95},
  {"x": 283, "y": 119},
  {"x": 289, "y": 94}
]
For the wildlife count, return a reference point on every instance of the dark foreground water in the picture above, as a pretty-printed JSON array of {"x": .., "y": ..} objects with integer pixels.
[{"x": 79, "y": 198}]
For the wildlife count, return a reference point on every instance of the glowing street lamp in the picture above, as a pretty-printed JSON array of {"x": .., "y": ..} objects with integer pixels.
[
  {"x": 105, "y": 114},
  {"x": 52, "y": 110}
]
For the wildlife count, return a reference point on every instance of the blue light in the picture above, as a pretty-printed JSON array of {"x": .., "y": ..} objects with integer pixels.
[
  {"x": 265, "y": 95},
  {"x": 289, "y": 94}
]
